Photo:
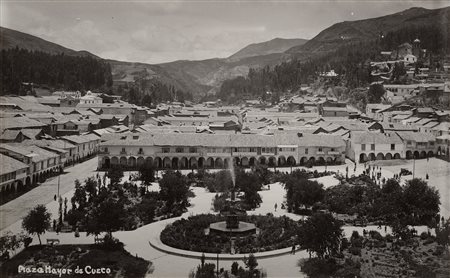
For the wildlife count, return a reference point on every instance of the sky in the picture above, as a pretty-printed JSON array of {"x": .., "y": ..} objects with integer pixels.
[{"x": 164, "y": 31}]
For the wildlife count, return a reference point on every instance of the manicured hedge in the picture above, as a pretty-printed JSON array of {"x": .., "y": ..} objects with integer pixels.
[{"x": 189, "y": 234}]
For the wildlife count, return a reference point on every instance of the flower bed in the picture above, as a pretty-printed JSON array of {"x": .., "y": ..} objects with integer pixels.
[{"x": 189, "y": 234}]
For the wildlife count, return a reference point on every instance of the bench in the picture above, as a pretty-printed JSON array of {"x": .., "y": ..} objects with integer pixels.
[
  {"x": 98, "y": 240},
  {"x": 52, "y": 241}
]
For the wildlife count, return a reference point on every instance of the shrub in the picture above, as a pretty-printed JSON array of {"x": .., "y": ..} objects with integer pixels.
[
  {"x": 316, "y": 267},
  {"x": 355, "y": 251}
]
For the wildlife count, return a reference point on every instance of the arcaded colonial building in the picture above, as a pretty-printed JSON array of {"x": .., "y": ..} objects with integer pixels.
[{"x": 197, "y": 150}]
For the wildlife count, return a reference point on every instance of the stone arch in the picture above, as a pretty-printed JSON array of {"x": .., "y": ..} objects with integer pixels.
[
  {"x": 423, "y": 154},
  {"x": 291, "y": 161},
  {"x": 123, "y": 161},
  {"x": 303, "y": 160},
  {"x": 193, "y": 164},
  {"x": 114, "y": 161},
  {"x": 262, "y": 160},
  {"x": 388, "y": 156},
  {"x": 184, "y": 163},
  {"x": 106, "y": 162},
  {"x": 149, "y": 161},
  {"x": 272, "y": 161},
  {"x": 252, "y": 161},
  {"x": 210, "y": 162},
  {"x": 380, "y": 156},
  {"x": 416, "y": 155},
  {"x": 430, "y": 154},
  {"x": 218, "y": 163},
  {"x": 312, "y": 159},
  {"x": 175, "y": 163},
  {"x": 28, "y": 181},
  {"x": 201, "y": 162},
  {"x": 281, "y": 161},
  {"x": 244, "y": 162},
  {"x": 329, "y": 160},
  {"x": 397, "y": 156},
  {"x": 19, "y": 185},
  {"x": 167, "y": 162},
  {"x": 372, "y": 156},
  {"x": 140, "y": 161},
  {"x": 237, "y": 161},
  {"x": 132, "y": 162},
  {"x": 226, "y": 163},
  {"x": 362, "y": 157},
  {"x": 409, "y": 154},
  {"x": 321, "y": 161},
  {"x": 157, "y": 162}
]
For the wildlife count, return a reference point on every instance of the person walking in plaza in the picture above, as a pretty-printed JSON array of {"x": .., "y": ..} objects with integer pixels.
[
  {"x": 293, "y": 249},
  {"x": 275, "y": 206}
]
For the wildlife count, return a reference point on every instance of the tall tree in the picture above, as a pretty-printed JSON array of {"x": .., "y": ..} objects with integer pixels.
[
  {"x": 321, "y": 233},
  {"x": 37, "y": 221}
]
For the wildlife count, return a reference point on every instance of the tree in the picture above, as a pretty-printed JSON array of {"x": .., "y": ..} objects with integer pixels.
[
  {"x": 146, "y": 174},
  {"x": 321, "y": 233},
  {"x": 37, "y": 221},
  {"x": 91, "y": 186},
  {"x": 251, "y": 263},
  {"x": 174, "y": 189},
  {"x": 376, "y": 91},
  {"x": 79, "y": 196},
  {"x": 115, "y": 174},
  {"x": 443, "y": 233},
  {"x": 303, "y": 192},
  {"x": 421, "y": 201},
  {"x": 107, "y": 216}
]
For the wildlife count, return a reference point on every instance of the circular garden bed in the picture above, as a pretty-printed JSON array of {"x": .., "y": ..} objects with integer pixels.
[{"x": 189, "y": 234}]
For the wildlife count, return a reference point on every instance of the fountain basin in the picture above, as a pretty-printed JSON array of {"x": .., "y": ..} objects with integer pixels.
[{"x": 242, "y": 229}]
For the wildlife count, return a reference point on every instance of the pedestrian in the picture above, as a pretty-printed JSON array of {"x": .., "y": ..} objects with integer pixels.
[
  {"x": 293, "y": 249},
  {"x": 54, "y": 197},
  {"x": 276, "y": 206},
  {"x": 385, "y": 229},
  {"x": 426, "y": 176}
]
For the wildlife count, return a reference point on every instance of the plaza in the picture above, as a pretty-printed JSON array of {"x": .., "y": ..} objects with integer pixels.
[{"x": 137, "y": 242}]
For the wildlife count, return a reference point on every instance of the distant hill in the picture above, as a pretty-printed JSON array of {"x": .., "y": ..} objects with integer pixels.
[
  {"x": 367, "y": 29},
  {"x": 10, "y": 39},
  {"x": 200, "y": 77},
  {"x": 277, "y": 45}
]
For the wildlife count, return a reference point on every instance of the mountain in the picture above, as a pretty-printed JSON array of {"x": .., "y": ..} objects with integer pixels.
[
  {"x": 367, "y": 29},
  {"x": 277, "y": 45},
  {"x": 11, "y": 38}
]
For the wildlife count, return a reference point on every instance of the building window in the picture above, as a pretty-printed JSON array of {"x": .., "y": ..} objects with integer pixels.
[
  {"x": 363, "y": 147},
  {"x": 192, "y": 150},
  {"x": 372, "y": 147},
  {"x": 332, "y": 149},
  {"x": 252, "y": 150},
  {"x": 320, "y": 149},
  {"x": 166, "y": 150},
  {"x": 106, "y": 150},
  {"x": 306, "y": 151},
  {"x": 235, "y": 150},
  {"x": 179, "y": 150},
  {"x": 392, "y": 147},
  {"x": 123, "y": 150},
  {"x": 141, "y": 151}
]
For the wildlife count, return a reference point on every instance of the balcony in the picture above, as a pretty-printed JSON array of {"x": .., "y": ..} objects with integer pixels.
[
  {"x": 334, "y": 153},
  {"x": 103, "y": 152},
  {"x": 123, "y": 152},
  {"x": 320, "y": 153},
  {"x": 140, "y": 153}
]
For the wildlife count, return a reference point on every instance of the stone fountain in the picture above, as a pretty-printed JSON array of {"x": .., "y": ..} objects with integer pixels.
[{"x": 232, "y": 226}]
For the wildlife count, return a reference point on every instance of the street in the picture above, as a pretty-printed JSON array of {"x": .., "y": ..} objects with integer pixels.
[{"x": 16, "y": 209}]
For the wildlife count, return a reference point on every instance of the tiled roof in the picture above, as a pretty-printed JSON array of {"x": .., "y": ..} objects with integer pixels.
[
  {"x": 226, "y": 140},
  {"x": 364, "y": 137},
  {"x": 10, "y": 165},
  {"x": 416, "y": 136},
  {"x": 9, "y": 135},
  {"x": 19, "y": 122},
  {"x": 34, "y": 152}
]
